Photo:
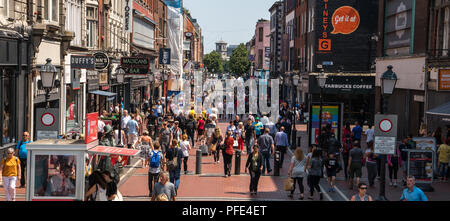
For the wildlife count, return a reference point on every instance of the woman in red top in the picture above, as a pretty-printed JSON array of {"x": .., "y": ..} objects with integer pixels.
[
  {"x": 200, "y": 129},
  {"x": 228, "y": 153},
  {"x": 347, "y": 144}
]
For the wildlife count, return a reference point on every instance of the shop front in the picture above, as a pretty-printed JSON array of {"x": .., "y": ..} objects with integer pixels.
[
  {"x": 13, "y": 87},
  {"x": 356, "y": 92}
]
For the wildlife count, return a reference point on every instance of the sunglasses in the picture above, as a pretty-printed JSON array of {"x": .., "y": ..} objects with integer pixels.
[{"x": 363, "y": 188}]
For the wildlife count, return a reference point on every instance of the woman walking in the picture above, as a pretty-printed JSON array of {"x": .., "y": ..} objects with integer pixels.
[
  {"x": 215, "y": 141},
  {"x": 146, "y": 145},
  {"x": 371, "y": 163},
  {"x": 200, "y": 129},
  {"x": 10, "y": 168},
  {"x": 394, "y": 162},
  {"x": 98, "y": 187},
  {"x": 253, "y": 165},
  {"x": 185, "y": 147},
  {"x": 297, "y": 171},
  {"x": 228, "y": 154},
  {"x": 315, "y": 170},
  {"x": 240, "y": 136},
  {"x": 174, "y": 156}
]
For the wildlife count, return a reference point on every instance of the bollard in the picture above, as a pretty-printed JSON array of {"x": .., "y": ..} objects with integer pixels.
[
  {"x": 276, "y": 163},
  {"x": 237, "y": 163},
  {"x": 198, "y": 162}
]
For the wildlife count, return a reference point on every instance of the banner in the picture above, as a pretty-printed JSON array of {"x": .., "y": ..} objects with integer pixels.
[
  {"x": 128, "y": 16},
  {"x": 91, "y": 127},
  {"x": 175, "y": 40}
]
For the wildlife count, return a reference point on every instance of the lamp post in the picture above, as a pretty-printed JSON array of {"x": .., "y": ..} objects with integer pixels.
[
  {"x": 321, "y": 79},
  {"x": 48, "y": 80},
  {"x": 151, "y": 79},
  {"x": 388, "y": 82},
  {"x": 295, "y": 80},
  {"x": 120, "y": 79}
]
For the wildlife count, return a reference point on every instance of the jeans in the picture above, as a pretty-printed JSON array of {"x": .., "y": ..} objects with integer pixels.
[
  {"x": 443, "y": 169},
  {"x": 216, "y": 154},
  {"x": 227, "y": 163},
  {"x": 266, "y": 161},
  {"x": 393, "y": 171},
  {"x": 249, "y": 144},
  {"x": 299, "y": 180},
  {"x": 185, "y": 159},
  {"x": 9, "y": 183},
  {"x": 152, "y": 177},
  {"x": 23, "y": 167},
  {"x": 254, "y": 179},
  {"x": 174, "y": 179},
  {"x": 282, "y": 150},
  {"x": 371, "y": 172},
  {"x": 191, "y": 135}
]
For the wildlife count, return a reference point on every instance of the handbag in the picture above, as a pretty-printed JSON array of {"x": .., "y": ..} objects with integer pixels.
[
  {"x": 213, "y": 148},
  {"x": 172, "y": 164},
  {"x": 288, "y": 184}
]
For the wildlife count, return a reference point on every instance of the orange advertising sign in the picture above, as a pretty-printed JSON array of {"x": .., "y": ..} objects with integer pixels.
[
  {"x": 444, "y": 80},
  {"x": 345, "y": 20}
]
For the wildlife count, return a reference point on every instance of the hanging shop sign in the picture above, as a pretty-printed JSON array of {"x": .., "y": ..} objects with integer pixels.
[
  {"x": 103, "y": 78},
  {"x": 135, "y": 65},
  {"x": 82, "y": 62},
  {"x": 128, "y": 16},
  {"x": 444, "y": 80},
  {"x": 164, "y": 56},
  {"x": 101, "y": 61}
]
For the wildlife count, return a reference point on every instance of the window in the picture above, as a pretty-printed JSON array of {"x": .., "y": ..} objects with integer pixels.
[
  {"x": 73, "y": 21},
  {"x": 91, "y": 27},
  {"x": 51, "y": 10},
  {"x": 260, "y": 59},
  {"x": 4, "y": 8},
  {"x": 446, "y": 32},
  {"x": 261, "y": 33},
  {"x": 6, "y": 107}
]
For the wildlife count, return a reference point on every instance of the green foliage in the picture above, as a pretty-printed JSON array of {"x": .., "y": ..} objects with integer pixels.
[
  {"x": 239, "y": 63},
  {"x": 213, "y": 61},
  {"x": 226, "y": 66}
]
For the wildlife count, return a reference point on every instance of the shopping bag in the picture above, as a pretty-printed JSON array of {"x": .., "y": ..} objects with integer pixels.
[
  {"x": 289, "y": 184},
  {"x": 212, "y": 148}
]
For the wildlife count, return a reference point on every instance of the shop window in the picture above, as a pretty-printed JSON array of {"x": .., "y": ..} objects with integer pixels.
[
  {"x": 55, "y": 175},
  {"x": 6, "y": 107},
  {"x": 73, "y": 101}
]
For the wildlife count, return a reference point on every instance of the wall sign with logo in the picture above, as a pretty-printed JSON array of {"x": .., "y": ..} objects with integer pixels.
[
  {"x": 343, "y": 27},
  {"x": 82, "y": 62},
  {"x": 47, "y": 123},
  {"x": 135, "y": 65},
  {"x": 164, "y": 56},
  {"x": 444, "y": 80},
  {"x": 398, "y": 17},
  {"x": 101, "y": 61},
  {"x": 344, "y": 84}
]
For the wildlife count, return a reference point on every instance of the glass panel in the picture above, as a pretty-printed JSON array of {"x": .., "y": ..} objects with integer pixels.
[
  {"x": 4, "y": 7},
  {"x": 72, "y": 108},
  {"x": 55, "y": 175},
  {"x": 55, "y": 10}
]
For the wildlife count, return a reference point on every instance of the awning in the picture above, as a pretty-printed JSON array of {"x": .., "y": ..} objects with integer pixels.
[
  {"x": 103, "y": 93},
  {"x": 102, "y": 150},
  {"x": 443, "y": 110}
]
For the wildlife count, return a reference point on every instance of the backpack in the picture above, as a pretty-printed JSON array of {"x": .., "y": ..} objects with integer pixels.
[{"x": 155, "y": 162}]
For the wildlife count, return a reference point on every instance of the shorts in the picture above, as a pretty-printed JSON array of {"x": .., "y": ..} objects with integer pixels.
[
  {"x": 132, "y": 139},
  {"x": 200, "y": 132},
  {"x": 355, "y": 168},
  {"x": 331, "y": 173},
  {"x": 404, "y": 166}
]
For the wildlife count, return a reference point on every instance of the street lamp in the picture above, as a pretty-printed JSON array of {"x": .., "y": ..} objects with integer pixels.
[
  {"x": 48, "y": 74},
  {"x": 151, "y": 79},
  {"x": 321, "y": 79},
  {"x": 120, "y": 79},
  {"x": 388, "y": 82},
  {"x": 295, "y": 80}
]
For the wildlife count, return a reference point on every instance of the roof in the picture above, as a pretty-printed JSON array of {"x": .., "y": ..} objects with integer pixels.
[{"x": 443, "y": 110}]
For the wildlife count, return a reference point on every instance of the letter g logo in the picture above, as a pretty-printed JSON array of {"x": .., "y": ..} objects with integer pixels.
[{"x": 324, "y": 44}]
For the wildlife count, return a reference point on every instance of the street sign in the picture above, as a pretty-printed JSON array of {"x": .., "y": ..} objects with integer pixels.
[
  {"x": 47, "y": 123},
  {"x": 101, "y": 61},
  {"x": 164, "y": 56},
  {"x": 386, "y": 125},
  {"x": 384, "y": 145},
  {"x": 135, "y": 65}
]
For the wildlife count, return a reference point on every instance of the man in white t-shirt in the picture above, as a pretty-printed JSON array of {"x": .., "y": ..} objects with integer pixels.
[{"x": 370, "y": 134}]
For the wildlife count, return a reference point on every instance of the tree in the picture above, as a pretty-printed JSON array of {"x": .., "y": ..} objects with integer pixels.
[
  {"x": 213, "y": 61},
  {"x": 239, "y": 63},
  {"x": 226, "y": 66}
]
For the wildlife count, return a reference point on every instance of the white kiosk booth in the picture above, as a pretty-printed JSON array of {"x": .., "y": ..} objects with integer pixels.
[{"x": 58, "y": 168}]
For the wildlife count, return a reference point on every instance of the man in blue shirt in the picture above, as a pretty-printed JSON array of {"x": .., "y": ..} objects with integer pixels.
[
  {"x": 282, "y": 142},
  {"x": 21, "y": 150},
  {"x": 412, "y": 193},
  {"x": 259, "y": 127},
  {"x": 133, "y": 131},
  {"x": 357, "y": 130}
]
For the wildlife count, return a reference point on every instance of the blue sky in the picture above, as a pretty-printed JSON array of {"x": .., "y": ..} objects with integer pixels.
[{"x": 230, "y": 20}]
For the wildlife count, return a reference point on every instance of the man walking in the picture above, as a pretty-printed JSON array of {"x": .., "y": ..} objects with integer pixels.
[
  {"x": 133, "y": 131},
  {"x": 412, "y": 193},
  {"x": 125, "y": 119},
  {"x": 357, "y": 131},
  {"x": 190, "y": 129},
  {"x": 266, "y": 145},
  {"x": 164, "y": 187},
  {"x": 21, "y": 151},
  {"x": 282, "y": 142},
  {"x": 355, "y": 164},
  {"x": 250, "y": 135},
  {"x": 165, "y": 137}
]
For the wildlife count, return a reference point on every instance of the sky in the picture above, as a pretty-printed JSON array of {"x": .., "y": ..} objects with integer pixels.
[{"x": 232, "y": 21}]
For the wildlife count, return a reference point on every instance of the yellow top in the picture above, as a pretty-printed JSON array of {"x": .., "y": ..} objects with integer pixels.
[
  {"x": 10, "y": 166},
  {"x": 444, "y": 153},
  {"x": 192, "y": 113}
]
